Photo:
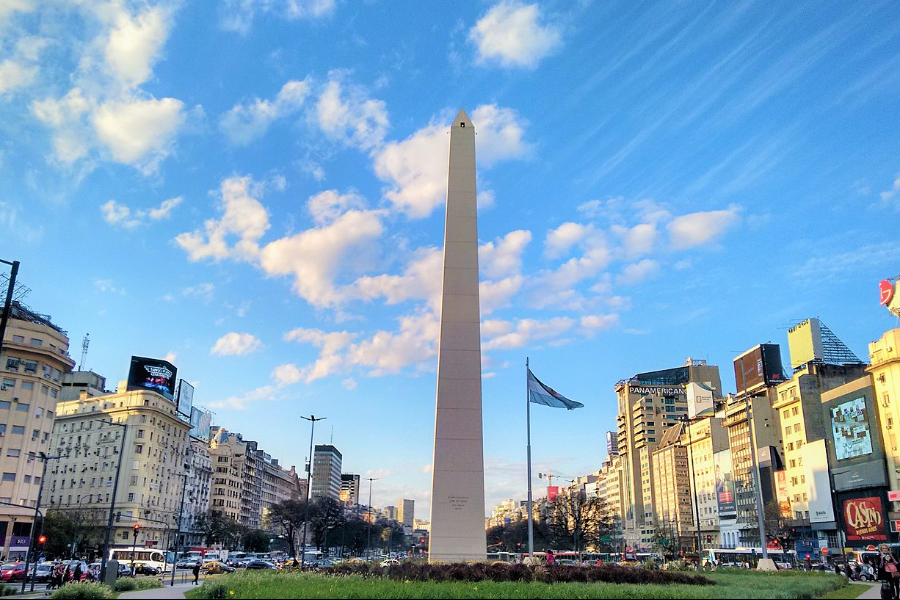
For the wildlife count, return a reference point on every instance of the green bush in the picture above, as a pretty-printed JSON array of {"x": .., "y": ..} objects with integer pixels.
[
  {"x": 128, "y": 584},
  {"x": 214, "y": 590},
  {"x": 7, "y": 590},
  {"x": 87, "y": 591}
]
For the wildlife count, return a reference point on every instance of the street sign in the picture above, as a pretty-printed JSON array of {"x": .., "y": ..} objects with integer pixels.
[
  {"x": 606, "y": 539},
  {"x": 894, "y": 496},
  {"x": 824, "y": 551},
  {"x": 664, "y": 542}
]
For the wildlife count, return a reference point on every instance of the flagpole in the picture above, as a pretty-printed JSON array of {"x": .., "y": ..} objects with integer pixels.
[{"x": 528, "y": 419}]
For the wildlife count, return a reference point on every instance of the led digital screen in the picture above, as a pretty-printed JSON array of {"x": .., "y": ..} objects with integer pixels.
[
  {"x": 850, "y": 429},
  {"x": 152, "y": 374}
]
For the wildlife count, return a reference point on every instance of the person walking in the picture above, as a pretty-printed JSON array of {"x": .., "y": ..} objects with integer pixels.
[
  {"x": 889, "y": 569},
  {"x": 196, "y": 571},
  {"x": 551, "y": 560}
]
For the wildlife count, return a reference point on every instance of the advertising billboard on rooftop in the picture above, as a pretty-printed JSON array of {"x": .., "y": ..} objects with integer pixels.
[
  {"x": 185, "y": 398},
  {"x": 758, "y": 367},
  {"x": 152, "y": 374}
]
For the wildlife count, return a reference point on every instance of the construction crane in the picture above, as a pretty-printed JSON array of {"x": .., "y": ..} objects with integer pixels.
[
  {"x": 551, "y": 476},
  {"x": 84, "y": 348}
]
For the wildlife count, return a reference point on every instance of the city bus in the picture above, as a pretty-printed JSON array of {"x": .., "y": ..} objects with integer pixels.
[
  {"x": 746, "y": 557},
  {"x": 150, "y": 557}
]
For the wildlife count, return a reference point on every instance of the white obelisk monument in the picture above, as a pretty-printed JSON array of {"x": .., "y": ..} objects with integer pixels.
[{"x": 457, "y": 480}]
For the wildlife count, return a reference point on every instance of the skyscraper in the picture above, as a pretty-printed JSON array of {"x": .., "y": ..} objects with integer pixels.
[{"x": 326, "y": 473}]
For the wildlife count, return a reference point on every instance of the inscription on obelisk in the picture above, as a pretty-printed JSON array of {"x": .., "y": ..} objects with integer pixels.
[{"x": 457, "y": 484}]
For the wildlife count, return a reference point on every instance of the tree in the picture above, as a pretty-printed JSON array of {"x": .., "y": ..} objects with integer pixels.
[
  {"x": 778, "y": 526},
  {"x": 325, "y": 516},
  {"x": 288, "y": 517},
  {"x": 255, "y": 540},
  {"x": 72, "y": 532},
  {"x": 576, "y": 521},
  {"x": 217, "y": 527}
]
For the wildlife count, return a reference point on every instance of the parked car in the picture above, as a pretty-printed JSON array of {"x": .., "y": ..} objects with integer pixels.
[
  {"x": 261, "y": 564},
  {"x": 186, "y": 563},
  {"x": 215, "y": 567},
  {"x": 41, "y": 573},
  {"x": 12, "y": 572}
]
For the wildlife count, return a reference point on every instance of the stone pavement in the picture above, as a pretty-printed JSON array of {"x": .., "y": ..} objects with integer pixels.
[{"x": 874, "y": 590}]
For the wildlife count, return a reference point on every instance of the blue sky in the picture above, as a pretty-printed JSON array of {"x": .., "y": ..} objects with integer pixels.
[{"x": 254, "y": 190}]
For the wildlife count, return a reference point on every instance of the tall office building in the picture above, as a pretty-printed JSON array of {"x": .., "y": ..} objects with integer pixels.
[
  {"x": 34, "y": 360},
  {"x": 648, "y": 404},
  {"x": 405, "y": 514},
  {"x": 228, "y": 454},
  {"x": 326, "y": 472},
  {"x": 350, "y": 490}
]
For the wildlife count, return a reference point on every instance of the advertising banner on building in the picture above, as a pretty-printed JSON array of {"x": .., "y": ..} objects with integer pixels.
[
  {"x": 815, "y": 465},
  {"x": 759, "y": 366},
  {"x": 552, "y": 493},
  {"x": 700, "y": 398},
  {"x": 725, "y": 485},
  {"x": 185, "y": 398},
  {"x": 201, "y": 421},
  {"x": 152, "y": 374},
  {"x": 864, "y": 519},
  {"x": 850, "y": 429},
  {"x": 781, "y": 490}
]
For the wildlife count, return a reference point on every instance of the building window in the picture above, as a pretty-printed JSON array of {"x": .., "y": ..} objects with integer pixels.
[
  {"x": 13, "y": 453},
  {"x": 18, "y": 430},
  {"x": 36, "y": 342},
  {"x": 785, "y": 413},
  {"x": 22, "y": 407},
  {"x": 795, "y": 411},
  {"x": 787, "y": 430},
  {"x": 140, "y": 433},
  {"x": 9, "y": 477},
  {"x": 12, "y": 364},
  {"x": 130, "y": 497},
  {"x": 55, "y": 393},
  {"x": 27, "y": 385},
  {"x": 125, "y": 535},
  {"x": 138, "y": 448},
  {"x": 796, "y": 427},
  {"x": 19, "y": 339}
]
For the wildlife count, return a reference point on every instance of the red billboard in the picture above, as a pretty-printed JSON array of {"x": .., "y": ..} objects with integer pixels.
[
  {"x": 864, "y": 518},
  {"x": 552, "y": 493}
]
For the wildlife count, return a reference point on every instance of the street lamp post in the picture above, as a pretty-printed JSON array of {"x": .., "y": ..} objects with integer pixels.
[
  {"x": 312, "y": 419},
  {"x": 137, "y": 530},
  {"x": 112, "y": 504},
  {"x": 371, "y": 518},
  {"x": 37, "y": 512}
]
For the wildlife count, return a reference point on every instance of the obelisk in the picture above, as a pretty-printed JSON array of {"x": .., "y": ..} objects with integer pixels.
[{"x": 457, "y": 479}]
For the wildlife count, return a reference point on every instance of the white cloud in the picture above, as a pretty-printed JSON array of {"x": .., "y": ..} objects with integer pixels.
[
  {"x": 523, "y": 332},
  {"x": 238, "y": 14},
  {"x": 560, "y": 240},
  {"x": 236, "y": 344},
  {"x": 244, "y": 217},
  {"x": 637, "y": 272},
  {"x": 121, "y": 215},
  {"x": 245, "y": 123},
  {"x": 71, "y": 137},
  {"x": 134, "y": 42},
  {"x": 330, "y": 346},
  {"x": 107, "y": 285},
  {"x": 421, "y": 279},
  {"x": 638, "y": 240},
  {"x": 598, "y": 322},
  {"x": 327, "y": 206},
  {"x": 700, "y": 228},
  {"x": 888, "y": 195},
  {"x": 139, "y": 132},
  {"x": 14, "y": 75},
  {"x": 510, "y": 34},
  {"x": 315, "y": 257},
  {"x": 346, "y": 114},
  {"x": 503, "y": 257},
  {"x": 266, "y": 392},
  {"x": 416, "y": 168}
]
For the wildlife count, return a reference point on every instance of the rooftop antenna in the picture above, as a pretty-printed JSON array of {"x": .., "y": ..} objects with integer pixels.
[
  {"x": 331, "y": 440},
  {"x": 84, "y": 348}
]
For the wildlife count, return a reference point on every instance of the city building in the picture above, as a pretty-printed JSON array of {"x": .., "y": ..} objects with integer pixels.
[
  {"x": 228, "y": 456},
  {"x": 350, "y": 491},
  {"x": 648, "y": 404},
  {"x": 142, "y": 461},
  {"x": 406, "y": 514},
  {"x": 34, "y": 358},
  {"x": 884, "y": 356},
  {"x": 196, "y": 494},
  {"x": 673, "y": 516},
  {"x": 326, "y": 472}
]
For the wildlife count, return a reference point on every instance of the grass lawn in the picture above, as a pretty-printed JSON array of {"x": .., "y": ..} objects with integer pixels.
[{"x": 729, "y": 584}]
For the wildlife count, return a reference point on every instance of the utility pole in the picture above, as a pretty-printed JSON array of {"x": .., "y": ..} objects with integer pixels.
[
  {"x": 371, "y": 518},
  {"x": 312, "y": 419},
  {"x": 112, "y": 504},
  {"x": 4, "y": 318}
]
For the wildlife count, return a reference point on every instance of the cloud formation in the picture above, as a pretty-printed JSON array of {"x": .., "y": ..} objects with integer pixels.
[
  {"x": 249, "y": 121},
  {"x": 236, "y": 344},
  {"x": 511, "y": 34},
  {"x": 120, "y": 215}
]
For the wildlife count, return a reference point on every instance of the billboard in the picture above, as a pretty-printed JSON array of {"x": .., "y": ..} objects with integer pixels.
[
  {"x": 152, "y": 374},
  {"x": 850, "y": 429},
  {"x": 552, "y": 493},
  {"x": 201, "y": 421},
  {"x": 185, "y": 398},
  {"x": 864, "y": 518},
  {"x": 760, "y": 366},
  {"x": 805, "y": 342},
  {"x": 784, "y": 502},
  {"x": 699, "y": 397},
  {"x": 818, "y": 479},
  {"x": 725, "y": 485}
]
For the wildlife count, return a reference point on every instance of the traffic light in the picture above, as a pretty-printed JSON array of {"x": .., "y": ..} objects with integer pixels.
[
  {"x": 708, "y": 539},
  {"x": 118, "y": 516},
  {"x": 137, "y": 529},
  {"x": 42, "y": 540}
]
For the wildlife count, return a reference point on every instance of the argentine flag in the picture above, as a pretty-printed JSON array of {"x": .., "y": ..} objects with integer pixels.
[{"x": 542, "y": 394}]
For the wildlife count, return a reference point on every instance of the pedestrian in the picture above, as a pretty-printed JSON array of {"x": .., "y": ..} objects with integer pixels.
[
  {"x": 550, "y": 558},
  {"x": 76, "y": 574},
  {"x": 889, "y": 569},
  {"x": 196, "y": 571}
]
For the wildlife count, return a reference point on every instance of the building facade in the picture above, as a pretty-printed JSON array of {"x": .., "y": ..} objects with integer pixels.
[
  {"x": 326, "y": 472},
  {"x": 34, "y": 360}
]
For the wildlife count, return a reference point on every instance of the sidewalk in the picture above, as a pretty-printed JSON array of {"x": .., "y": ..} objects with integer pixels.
[
  {"x": 176, "y": 591},
  {"x": 874, "y": 590}
]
